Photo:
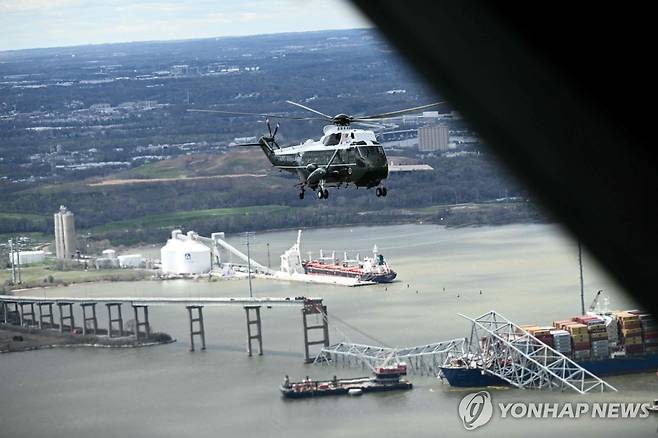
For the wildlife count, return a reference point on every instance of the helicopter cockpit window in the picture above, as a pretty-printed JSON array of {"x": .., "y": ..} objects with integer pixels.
[
  {"x": 364, "y": 151},
  {"x": 370, "y": 151},
  {"x": 332, "y": 139}
]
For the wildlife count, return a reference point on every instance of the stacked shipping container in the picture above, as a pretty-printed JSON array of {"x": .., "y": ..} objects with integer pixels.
[
  {"x": 630, "y": 330},
  {"x": 649, "y": 328},
  {"x": 596, "y": 336}
]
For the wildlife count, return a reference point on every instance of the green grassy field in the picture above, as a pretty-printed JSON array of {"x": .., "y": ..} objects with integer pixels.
[
  {"x": 22, "y": 216},
  {"x": 36, "y": 237},
  {"x": 174, "y": 219},
  {"x": 152, "y": 170},
  {"x": 45, "y": 275},
  {"x": 233, "y": 162}
]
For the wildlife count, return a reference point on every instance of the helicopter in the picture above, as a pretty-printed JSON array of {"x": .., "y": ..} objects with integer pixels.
[{"x": 344, "y": 155}]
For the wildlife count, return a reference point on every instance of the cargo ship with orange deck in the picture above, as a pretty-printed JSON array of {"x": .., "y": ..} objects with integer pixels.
[
  {"x": 373, "y": 269},
  {"x": 330, "y": 270}
]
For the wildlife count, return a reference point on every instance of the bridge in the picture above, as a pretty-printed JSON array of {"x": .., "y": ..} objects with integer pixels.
[
  {"x": 496, "y": 346},
  {"x": 20, "y": 310},
  {"x": 422, "y": 359}
]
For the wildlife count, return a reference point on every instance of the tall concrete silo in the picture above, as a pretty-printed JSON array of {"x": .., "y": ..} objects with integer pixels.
[{"x": 64, "y": 233}]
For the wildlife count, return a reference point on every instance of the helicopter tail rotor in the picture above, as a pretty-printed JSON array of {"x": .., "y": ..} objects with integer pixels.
[{"x": 272, "y": 137}]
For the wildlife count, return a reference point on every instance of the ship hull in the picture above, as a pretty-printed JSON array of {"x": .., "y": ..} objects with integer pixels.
[
  {"x": 473, "y": 377},
  {"x": 366, "y": 277},
  {"x": 379, "y": 278},
  {"x": 381, "y": 387}
]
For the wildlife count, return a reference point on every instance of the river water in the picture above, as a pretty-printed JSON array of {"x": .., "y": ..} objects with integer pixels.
[{"x": 529, "y": 273}]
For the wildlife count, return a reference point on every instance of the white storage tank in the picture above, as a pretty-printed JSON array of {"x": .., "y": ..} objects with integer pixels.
[
  {"x": 168, "y": 255},
  {"x": 28, "y": 257},
  {"x": 184, "y": 256},
  {"x": 194, "y": 258},
  {"x": 131, "y": 261}
]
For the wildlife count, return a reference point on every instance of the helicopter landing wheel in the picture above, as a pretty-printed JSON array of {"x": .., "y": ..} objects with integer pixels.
[
  {"x": 378, "y": 192},
  {"x": 384, "y": 191},
  {"x": 320, "y": 194},
  {"x": 325, "y": 193},
  {"x": 301, "y": 195}
]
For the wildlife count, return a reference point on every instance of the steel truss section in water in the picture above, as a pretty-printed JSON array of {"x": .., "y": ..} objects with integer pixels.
[
  {"x": 422, "y": 359},
  {"x": 503, "y": 349}
]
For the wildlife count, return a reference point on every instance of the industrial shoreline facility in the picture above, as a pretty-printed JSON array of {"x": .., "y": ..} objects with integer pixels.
[{"x": 190, "y": 254}]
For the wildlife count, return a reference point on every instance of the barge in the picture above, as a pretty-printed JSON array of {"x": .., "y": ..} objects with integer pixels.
[{"x": 386, "y": 378}]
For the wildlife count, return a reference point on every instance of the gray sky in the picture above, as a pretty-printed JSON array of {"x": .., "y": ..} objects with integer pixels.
[{"x": 52, "y": 23}]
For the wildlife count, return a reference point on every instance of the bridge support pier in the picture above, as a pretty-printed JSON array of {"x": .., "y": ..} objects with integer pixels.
[
  {"x": 199, "y": 320},
  {"x": 111, "y": 320},
  {"x": 11, "y": 316},
  {"x": 24, "y": 314},
  {"x": 258, "y": 332},
  {"x": 92, "y": 319},
  {"x": 144, "y": 323},
  {"x": 314, "y": 308},
  {"x": 47, "y": 315},
  {"x": 62, "y": 317}
]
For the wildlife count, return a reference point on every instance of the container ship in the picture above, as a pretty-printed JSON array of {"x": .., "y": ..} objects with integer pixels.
[
  {"x": 386, "y": 378},
  {"x": 605, "y": 344},
  {"x": 369, "y": 269}
]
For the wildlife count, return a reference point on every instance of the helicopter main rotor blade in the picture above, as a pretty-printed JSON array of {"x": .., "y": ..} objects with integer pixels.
[
  {"x": 309, "y": 109},
  {"x": 370, "y": 125},
  {"x": 395, "y": 113},
  {"x": 269, "y": 128},
  {"x": 238, "y": 113}
]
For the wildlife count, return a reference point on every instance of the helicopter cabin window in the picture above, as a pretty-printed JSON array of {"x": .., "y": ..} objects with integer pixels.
[
  {"x": 332, "y": 139},
  {"x": 359, "y": 143}
]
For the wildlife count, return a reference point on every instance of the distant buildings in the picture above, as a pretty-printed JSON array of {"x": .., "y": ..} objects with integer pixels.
[
  {"x": 27, "y": 257},
  {"x": 433, "y": 138},
  {"x": 64, "y": 234}
]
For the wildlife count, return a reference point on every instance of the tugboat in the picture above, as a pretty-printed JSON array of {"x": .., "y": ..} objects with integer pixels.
[{"x": 386, "y": 378}]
